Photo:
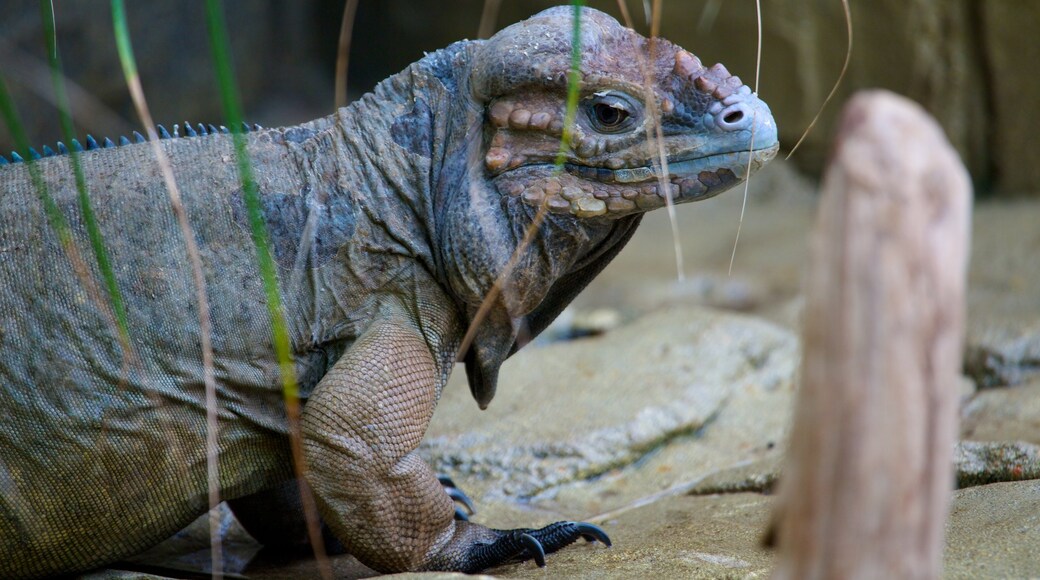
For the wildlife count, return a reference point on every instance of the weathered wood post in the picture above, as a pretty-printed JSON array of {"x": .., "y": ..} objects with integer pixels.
[{"x": 868, "y": 478}]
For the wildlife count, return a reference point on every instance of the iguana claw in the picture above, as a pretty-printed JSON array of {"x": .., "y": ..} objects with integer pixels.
[
  {"x": 525, "y": 544},
  {"x": 534, "y": 549},
  {"x": 458, "y": 496},
  {"x": 592, "y": 533}
]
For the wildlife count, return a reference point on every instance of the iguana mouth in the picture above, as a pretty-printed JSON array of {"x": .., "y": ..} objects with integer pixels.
[
  {"x": 585, "y": 191},
  {"x": 679, "y": 167}
]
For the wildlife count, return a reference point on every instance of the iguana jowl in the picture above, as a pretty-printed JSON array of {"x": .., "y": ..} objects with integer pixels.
[{"x": 390, "y": 220}]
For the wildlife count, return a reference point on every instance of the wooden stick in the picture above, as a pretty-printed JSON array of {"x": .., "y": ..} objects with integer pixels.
[{"x": 866, "y": 487}]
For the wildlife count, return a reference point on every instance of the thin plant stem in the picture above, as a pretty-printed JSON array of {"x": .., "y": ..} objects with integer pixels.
[
  {"x": 837, "y": 83},
  {"x": 346, "y": 34},
  {"x": 55, "y": 219},
  {"x": 751, "y": 148},
  {"x": 279, "y": 333},
  {"x": 488, "y": 17},
  {"x": 573, "y": 92},
  {"x": 657, "y": 136},
  {"x": 68, "y": 130},
  {"x": 133, "y": 81}
]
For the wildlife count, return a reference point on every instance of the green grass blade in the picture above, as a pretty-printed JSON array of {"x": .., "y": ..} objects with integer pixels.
[
  {"x": 573, "y": 85},
  {"x": 14, "y": 126},
  {"x": 233, "y": 114},
  {"x": 122, "y": 35},
  {"x": 221, "y": 50},
  {"x": 69, "y": 132},
  {"x": 573, "y": 92},
  {"x": 133, "y": 82}
]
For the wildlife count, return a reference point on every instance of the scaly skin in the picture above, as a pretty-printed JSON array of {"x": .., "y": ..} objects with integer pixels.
[{"x": 390, "y": 222}]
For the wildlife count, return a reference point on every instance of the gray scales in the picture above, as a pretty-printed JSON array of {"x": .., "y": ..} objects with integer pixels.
[{"x": 390, "y": 221}]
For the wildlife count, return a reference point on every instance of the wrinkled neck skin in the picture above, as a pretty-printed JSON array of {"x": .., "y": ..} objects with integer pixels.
[
  {"x": 420, "y": 139},
  {"x": 481, "y": 243},
  {"x": 367, "y": 173}
]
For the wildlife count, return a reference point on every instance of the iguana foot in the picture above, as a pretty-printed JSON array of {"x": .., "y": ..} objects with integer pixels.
[
  {"x": 524, "y": 544},
  {"x": 459, "y": 497}
]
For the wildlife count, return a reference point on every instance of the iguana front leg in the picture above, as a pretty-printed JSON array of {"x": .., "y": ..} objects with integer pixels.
[{"x": 361, "y": 428}]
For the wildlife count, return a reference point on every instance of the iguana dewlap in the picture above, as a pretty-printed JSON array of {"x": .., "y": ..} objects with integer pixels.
[{"x": 390, "y": 222}]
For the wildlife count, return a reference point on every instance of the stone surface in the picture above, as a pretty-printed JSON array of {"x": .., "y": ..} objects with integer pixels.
[
  {"x": 991, "y": 462},
  {"x": 993, "y": 532},
  {"x": 1003, "y": 334},
  {"x": 759, "y": 476},
  {"x": 1006, "y": 414},
  {"x": 577, "y": 410},
  {"x": 1004, "y": 294},
  {"x": 767, "y": 269},
  {"x": 976, "y": 463},
  {"x": 677, "y": 537}
]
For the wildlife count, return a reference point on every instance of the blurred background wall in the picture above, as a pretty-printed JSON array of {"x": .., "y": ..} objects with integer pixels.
[{"x": 972, "y": 63}]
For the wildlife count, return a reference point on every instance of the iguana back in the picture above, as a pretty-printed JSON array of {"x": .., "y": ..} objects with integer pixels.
[{"x": 90, "y": 428}]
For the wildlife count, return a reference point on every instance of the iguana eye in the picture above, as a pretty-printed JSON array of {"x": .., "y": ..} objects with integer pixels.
[
  {"x": 610, "y": 116},
  {"x": 611, "y": 112}
]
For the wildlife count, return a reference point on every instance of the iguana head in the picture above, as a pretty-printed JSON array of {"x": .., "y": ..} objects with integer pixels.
[
  {"x": 715, "y": 132},
  {"x": 715, "y": 128}
]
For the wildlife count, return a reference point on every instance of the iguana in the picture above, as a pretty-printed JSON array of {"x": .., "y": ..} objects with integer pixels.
[{"x": 390, "y": 222}]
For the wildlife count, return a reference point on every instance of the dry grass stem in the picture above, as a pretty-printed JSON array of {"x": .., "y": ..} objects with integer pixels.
[
  {"x": 837, "y": 83},
  {"x": 346, "y": 33}
]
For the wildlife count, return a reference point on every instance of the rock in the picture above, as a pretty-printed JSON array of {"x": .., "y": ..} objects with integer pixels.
[
  {"x": 1005, "y": 414},
  {"x": 579, "y": 410},
  {"x": 758, "y": 476},
  {"x": 1002, "y": 353},
  {"x": 1003, "y": 338},
  {"x": 994, "y": 531},
  {"x": 573, "y": 323},
  {"x": 976, "y": 463},
  {"x": 981, "y": 463},
  {"x": 677, "y": 537}
]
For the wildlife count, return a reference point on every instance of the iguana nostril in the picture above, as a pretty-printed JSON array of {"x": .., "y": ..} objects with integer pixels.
[{"x": 735, "y": 117}]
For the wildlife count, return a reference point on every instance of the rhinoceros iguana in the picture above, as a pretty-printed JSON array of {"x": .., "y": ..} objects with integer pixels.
[{"x": 390, "y": 221}]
